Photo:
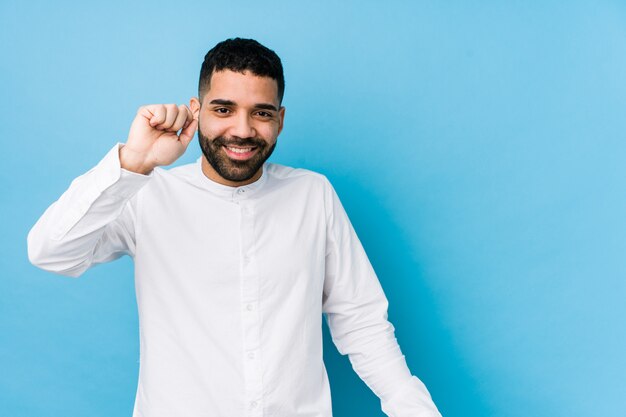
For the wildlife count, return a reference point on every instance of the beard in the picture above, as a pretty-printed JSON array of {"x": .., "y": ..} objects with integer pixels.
[{"x": 230, "y": 169}]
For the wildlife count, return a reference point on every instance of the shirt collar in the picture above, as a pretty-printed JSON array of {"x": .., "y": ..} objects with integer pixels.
[{"x": 227, "y": 191}]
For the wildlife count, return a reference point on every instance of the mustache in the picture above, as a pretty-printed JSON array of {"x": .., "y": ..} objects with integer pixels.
[{"x": 243, "y": 142}]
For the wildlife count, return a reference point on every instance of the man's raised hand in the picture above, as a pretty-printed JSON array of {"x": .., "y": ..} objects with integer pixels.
[{"x": 154, "y": 137}]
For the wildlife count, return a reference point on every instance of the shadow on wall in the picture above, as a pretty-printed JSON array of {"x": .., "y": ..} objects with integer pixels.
[{"x": 413, "y": 310}]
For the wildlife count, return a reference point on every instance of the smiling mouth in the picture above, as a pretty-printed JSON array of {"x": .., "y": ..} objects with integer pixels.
[{"x": 240, "y": 153}]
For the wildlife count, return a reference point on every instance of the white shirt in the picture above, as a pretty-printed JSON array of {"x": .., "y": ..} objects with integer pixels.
[{"x": 232, "y": 284}]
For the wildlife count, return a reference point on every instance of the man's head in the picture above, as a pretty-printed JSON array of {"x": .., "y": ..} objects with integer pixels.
[{"x": 239, "y": 109}]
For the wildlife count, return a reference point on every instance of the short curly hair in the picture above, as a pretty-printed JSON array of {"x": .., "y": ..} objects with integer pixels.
[{"x": 241, "y": 55}]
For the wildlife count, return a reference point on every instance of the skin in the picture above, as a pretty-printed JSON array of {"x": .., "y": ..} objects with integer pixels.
[{"x": 237, "y": 105}]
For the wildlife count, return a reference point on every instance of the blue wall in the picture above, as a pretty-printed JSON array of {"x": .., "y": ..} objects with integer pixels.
[{"x": 477, "y": 146}]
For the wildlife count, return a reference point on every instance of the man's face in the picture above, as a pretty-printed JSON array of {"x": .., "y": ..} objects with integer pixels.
[{"x": 239, "y": 120}]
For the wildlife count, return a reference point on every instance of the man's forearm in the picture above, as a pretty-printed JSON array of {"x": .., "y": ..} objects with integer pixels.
[{"x": 64, "y": 239}]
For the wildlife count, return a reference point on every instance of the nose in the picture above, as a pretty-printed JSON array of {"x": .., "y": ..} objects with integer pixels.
[{"x": 243, "y": 127}]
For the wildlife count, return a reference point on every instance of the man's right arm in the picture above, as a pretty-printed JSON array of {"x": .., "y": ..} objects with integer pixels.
[{"x": 93, "y": 221}]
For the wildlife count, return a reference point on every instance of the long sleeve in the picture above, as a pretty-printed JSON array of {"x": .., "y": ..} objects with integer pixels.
[
  {"x": 91, "y": 223},
  {"x": 356, "y": 312}
]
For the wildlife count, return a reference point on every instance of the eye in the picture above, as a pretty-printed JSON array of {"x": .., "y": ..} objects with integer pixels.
[
  {"x": 264, "y": 114},
  {"x": 221, "y": 110}
]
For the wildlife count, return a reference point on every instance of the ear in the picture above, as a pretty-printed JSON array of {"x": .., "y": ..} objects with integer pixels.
[
  {"x": 194, "y": 105},
  {"x": 281, "y": 117}
]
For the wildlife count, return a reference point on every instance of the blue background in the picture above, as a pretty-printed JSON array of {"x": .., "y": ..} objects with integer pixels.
[{"x": 478, "y": 148}]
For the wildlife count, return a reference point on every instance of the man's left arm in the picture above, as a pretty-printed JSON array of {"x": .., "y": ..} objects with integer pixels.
[{"x": 356, "y": 312}]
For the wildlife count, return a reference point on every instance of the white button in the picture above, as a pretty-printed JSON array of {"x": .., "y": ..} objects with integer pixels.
[
  {"x": 246, "y": 259},
  {"x": 253, "y": 404},
  {"x": 249, "y": 307},
  {"x": 241, "y": 191},
  {"x": 251, "y": 355}
]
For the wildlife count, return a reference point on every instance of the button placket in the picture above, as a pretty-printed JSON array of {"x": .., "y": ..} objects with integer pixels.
[{"x": 251, "y": 320}]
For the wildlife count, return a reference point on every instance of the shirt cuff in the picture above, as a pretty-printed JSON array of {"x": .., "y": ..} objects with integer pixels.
[
  {"x": 114, "y": 180},
  {"x": 412, "y": 400}
]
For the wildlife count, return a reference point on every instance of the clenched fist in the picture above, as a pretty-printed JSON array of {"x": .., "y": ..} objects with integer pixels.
[{"x": 154, "y": 137}]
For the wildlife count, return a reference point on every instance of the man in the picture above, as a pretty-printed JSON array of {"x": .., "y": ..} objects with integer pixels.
[{"x": 236, "y": 259}]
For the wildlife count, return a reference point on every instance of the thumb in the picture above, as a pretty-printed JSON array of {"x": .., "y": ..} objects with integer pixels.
[{"x": 186, "y": 135}]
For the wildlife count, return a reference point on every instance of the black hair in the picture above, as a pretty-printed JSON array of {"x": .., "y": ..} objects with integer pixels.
[{"x": 241, "y": 55}]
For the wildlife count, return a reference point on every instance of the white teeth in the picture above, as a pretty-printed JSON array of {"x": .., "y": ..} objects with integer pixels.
[{"x": 239, "y": 150}]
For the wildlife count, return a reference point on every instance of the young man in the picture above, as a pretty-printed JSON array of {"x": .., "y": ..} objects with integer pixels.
[{"x": 236, "y": 259}]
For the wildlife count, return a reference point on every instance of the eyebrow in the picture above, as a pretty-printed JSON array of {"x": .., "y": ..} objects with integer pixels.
[{"x": 264, "y": 106}]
